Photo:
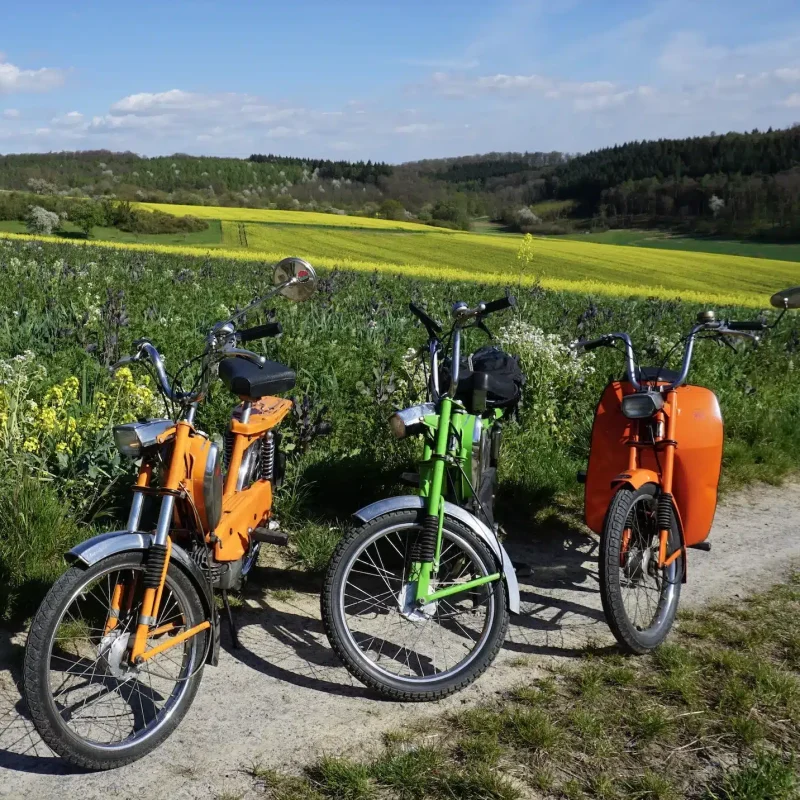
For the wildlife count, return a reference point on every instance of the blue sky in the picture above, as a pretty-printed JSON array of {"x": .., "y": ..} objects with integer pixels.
[{"x": 390, "y": 80}]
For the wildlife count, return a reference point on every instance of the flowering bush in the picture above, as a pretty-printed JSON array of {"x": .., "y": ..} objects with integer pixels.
[
  {"x": 553, "y": 372},
  {"x": 66, "y": 429}
]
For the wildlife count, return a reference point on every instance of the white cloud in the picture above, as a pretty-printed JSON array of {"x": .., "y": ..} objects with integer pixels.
[
  {"x": 792, "y": 101},
  {"x": 414, "y": 127},
  {"x": 688, "y": 52},
  {"x": 13, "y": 79},
  {"x": 788, "y": 75},
  {"x": 69, "y": 119},
  {"x": 11, "y": 113},
  {"x": 174, "y": 100}
]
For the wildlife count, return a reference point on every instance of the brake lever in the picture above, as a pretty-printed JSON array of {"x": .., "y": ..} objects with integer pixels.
[
  {"x": 723, "y": 339},
  {"x": 482, "y": 325},
  {"x": 249, "y": 355}
]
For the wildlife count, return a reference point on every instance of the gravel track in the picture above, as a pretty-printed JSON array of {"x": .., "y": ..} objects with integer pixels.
[{"x": 283, "y": 699}]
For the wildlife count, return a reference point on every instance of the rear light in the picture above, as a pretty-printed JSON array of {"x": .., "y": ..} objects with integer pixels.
[{"x": 642, "y": 404}]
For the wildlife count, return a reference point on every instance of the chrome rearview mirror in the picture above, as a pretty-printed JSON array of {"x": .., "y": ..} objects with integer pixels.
[
  {"x": 788, "y": 298},
  {"x": 295, "y": 278}
]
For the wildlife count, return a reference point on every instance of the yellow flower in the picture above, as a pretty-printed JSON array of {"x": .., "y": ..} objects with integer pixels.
[{"x": 30, "y": 445}]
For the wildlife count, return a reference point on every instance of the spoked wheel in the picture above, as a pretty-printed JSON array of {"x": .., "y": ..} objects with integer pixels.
[
  {"x": 639, "y": 599},
  {"x": 383, "y": 638},
  {"x": 88, "y": 702}
]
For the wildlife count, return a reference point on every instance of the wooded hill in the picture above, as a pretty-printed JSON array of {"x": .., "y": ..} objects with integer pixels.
[{"x": 736, "y": 183}]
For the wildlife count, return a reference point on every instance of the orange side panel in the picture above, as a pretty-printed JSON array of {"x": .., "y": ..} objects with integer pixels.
[
  {"x": 699, "y": 434},
  {"x": 608, "y": 456},
  {"x": 265, "y": 413},
  {"x": 698, "y": 459},
  {"x": 243, "y": 510}
]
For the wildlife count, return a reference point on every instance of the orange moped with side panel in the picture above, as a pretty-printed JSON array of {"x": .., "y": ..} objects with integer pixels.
[
  {"x": 651, "y": 483},
  {"x": 116, "y": 651}
]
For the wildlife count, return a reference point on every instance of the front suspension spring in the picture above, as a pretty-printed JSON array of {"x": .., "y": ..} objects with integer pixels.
[
  {"x": 156, "y": 556},
  {"x": 424, "y": 547},
  {"x": 664, "y": 513}
]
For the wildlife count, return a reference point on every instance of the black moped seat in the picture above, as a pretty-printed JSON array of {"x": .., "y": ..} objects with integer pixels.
[{"x": 246, "y": 379}]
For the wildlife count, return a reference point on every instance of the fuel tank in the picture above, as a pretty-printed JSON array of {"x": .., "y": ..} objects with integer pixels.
[{"x": 698, "y": 457}]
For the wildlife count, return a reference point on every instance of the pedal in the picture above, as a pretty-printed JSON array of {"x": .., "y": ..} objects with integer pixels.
[
  {"x": 581, "y": 476},
  {"x": 270, "y": 536},
  {"x": 704, "y": 546},
  {"x": 410, "y": 478}
]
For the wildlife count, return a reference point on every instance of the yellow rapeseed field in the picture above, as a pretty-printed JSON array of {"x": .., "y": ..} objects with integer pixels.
[
  {"x": 559, "y": 264},
  {"x": 283, "y": 217},
  {"x": 368, "y": 244}
]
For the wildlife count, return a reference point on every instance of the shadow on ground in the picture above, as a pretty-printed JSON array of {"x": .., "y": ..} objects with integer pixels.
[{"x": 282, "y": 636}]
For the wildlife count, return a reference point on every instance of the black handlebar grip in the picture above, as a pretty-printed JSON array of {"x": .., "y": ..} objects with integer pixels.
[
  {"x": 748, "y": 325},
  {"x": 430, "y": 324},
  {"x": 260, "y": 332},
  {"x": 592, "y": 344},
  {"x": 501, "y": 304}
]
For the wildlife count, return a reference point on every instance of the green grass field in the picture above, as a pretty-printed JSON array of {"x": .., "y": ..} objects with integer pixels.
[
  {"x": 212, "y": 237},
  {"x": 699, "y": 244}
]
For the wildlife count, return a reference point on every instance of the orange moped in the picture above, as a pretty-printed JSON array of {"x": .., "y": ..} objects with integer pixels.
[
  {"x": 651, "y": 483},
  {"x": 116, "y": 651}
]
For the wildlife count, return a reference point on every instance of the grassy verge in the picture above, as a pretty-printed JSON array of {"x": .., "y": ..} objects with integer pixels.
[{"x": 714, "y": 714}]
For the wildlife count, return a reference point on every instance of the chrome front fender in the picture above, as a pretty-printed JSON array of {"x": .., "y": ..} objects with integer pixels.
[
  {"x": 479, "y": 528},
  {"x": 109, "y": 544}
]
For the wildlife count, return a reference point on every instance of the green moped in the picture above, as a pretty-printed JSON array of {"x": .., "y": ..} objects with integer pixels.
[{"x": 416, "y": 599}]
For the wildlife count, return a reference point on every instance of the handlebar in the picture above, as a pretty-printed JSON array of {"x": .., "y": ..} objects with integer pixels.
[
  {"x": 747, "y": 325},
  {"x": 500, "y": 305},
  {"x": 593, "y": 344},
  {"x": 462, "y": 312},
  {"x": 431, "y": 325},
  {"x": 743, "y": 329},
  {"x": 260, "y": 332}
]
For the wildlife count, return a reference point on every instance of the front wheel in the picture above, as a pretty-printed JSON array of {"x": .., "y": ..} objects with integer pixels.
[
  {"x": 640, "y": 599},
  {"x": 403, "y": 651},
  {"x": 88, "y": 702}
]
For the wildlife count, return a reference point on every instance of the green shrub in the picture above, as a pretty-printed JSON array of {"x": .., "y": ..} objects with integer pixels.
[{"x": 36, "y": 529}]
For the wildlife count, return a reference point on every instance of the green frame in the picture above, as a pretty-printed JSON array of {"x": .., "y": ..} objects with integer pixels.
[{"x": 451, "y": 426}]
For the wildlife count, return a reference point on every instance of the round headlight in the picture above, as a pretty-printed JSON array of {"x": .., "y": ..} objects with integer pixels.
[{"x": 397, "y": 426}]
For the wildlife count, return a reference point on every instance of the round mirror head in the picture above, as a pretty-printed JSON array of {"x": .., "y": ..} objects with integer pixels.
[
  {"x": 299, "y": 276},
  {"x": 788, "y": 298}
]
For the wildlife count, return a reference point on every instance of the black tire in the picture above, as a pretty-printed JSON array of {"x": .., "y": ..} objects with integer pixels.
[
  {"x": 425, "y": 687},
  {"x": 627, "y": 507},
  {"x": 41, "y": 643}
]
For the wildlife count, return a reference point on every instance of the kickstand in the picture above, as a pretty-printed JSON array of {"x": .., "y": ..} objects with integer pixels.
[{"x": 231, "y": 626}]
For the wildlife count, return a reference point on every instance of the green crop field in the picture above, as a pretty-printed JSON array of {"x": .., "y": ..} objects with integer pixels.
[{"x": 699, "y": 244}]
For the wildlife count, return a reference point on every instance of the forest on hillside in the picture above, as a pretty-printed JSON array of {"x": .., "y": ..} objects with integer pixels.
[{"x": 743, "y": 184}]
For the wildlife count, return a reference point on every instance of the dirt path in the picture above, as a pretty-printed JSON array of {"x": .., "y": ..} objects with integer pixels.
[{"x": 283, "y": 699}]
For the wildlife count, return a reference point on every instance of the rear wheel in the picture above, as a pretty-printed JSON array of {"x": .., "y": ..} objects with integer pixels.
[
  {"x": 88, "y": 703},
  {"x": 387, "y": 642},
  {"x": 640, "y": 599}
]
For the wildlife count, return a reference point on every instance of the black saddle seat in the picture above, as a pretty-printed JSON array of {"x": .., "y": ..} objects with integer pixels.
[
  {"x": 246, "y": 379},
  {"x": 653, "y": 373}
]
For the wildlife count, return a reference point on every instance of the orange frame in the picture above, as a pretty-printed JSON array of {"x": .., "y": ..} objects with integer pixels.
[
  {"x": 242, "y": 511},
  {"x": 684, "y": 461}
]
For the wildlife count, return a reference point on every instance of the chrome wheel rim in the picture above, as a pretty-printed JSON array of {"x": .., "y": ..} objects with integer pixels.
[
  {"x": 392, "y": 640},
  {"x": 96, "y": 694}
]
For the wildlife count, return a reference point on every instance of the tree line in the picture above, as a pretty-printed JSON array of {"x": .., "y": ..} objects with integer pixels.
[{"x": 746, "y": 184}]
